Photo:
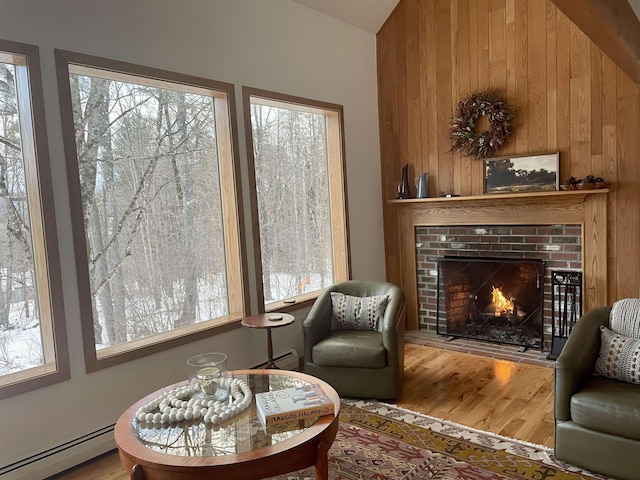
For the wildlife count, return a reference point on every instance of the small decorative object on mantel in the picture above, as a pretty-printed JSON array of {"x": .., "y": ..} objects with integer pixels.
[
  {"x": 422, "y": 186},
  {"x": 404, "y": 190},
  {"x": 520, "y": 174},
  {"x": 466, "y": 140},
  {"x": 587, "y": 183}
]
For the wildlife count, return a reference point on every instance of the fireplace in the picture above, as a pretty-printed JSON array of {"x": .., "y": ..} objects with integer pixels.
[
  {"x": 492, "y": 299},
  {"x": 558, "y": 247},
  {"x": 406, "y": 264}
]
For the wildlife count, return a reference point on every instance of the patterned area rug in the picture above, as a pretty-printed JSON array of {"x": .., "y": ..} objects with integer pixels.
[{"x": 377, "y": 441}]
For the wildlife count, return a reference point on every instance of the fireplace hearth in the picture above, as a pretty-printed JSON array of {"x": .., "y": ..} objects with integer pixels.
[{"x": 491, "y": 299}]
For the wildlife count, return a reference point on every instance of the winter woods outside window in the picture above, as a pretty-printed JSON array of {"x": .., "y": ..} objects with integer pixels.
[
  {"x": 154, "y": 176},
  {"x": 33, "y": 348},
  {"x": 300, "y": 194}
]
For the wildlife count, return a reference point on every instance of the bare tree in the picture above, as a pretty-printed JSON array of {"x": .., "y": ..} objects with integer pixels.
[
  {"x": 150, "y": 181},
  {"x": 16, "y": 255},
  {"x": 293, "y": 199}
]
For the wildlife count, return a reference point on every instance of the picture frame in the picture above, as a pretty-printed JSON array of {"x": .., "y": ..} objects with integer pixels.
[{"x": 521, "y": 174}]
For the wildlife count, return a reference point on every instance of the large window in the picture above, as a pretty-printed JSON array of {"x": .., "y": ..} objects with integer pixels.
[
  {"x": 298, "y": 166},
  {"x": 152, "y": 172},
  {"x": 33, "y": 345}
]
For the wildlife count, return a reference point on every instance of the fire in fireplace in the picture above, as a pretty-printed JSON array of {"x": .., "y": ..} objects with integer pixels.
[{"x": 492, "y": 299}]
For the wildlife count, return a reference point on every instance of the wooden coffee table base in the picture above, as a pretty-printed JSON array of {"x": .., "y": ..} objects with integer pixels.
[
  {"x": 308, "y": 448},
  {"x": 240, "y": 471},
  {"x": 292, "y": 460}
]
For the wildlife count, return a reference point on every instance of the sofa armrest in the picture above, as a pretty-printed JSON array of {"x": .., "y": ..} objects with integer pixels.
[
  {"x": 392, "y": 326},
  {"x": 317, "y": 324},
  {"x": 393, "y": 339},
  {"x": 577, "y": 360}
]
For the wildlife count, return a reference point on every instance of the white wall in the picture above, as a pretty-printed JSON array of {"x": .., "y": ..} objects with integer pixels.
[{"x": 271, "y": 44}]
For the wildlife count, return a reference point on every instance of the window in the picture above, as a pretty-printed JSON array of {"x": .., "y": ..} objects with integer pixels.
[
  {"x": 298, "y": 162},
  {"x": 152, "y": 175},
  {"x": 33, "y": 343}
]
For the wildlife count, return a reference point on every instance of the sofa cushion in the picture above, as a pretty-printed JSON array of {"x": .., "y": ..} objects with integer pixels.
[
  {"x": 619, "y": 357},
  {"x": 624, "y": 318},
  {"x": 357, "y": 313},
  {"x": 350, "y": 348},
  {"x": 608, "y": 406}
]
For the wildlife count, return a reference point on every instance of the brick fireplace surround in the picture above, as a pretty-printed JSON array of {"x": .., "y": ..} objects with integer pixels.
[
  {"x": 558, "y": 246},
  {"x": 578, "y": 210}
]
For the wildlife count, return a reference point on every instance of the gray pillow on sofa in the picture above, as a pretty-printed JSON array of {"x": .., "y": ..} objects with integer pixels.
[
  {"x": 357, "y": 313},
  {"x": 624, "y": 318}
]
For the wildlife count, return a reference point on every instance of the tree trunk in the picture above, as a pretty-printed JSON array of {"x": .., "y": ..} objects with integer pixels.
[
  {"x": 6, "y": 295},
  {"x": 87, "y": 165},
  {"x": 113, "y": 257},
  {"x": 99, "y": 274},
  {"x": 181, "y": 168}
]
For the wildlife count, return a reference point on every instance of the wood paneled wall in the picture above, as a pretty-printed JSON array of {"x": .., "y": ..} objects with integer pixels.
[{"x": 567, "y": 95}]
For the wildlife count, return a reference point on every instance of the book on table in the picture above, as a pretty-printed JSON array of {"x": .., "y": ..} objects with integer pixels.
[{"x": 294, "y": 403}]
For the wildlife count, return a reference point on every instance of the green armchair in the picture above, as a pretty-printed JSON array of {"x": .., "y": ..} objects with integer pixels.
[
  {"x": 357, "y": 363},
  {"x": 597, "y": 419}
]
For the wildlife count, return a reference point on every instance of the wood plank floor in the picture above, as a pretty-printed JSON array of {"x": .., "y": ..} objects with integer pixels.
[{"x": 498, "y": 396}]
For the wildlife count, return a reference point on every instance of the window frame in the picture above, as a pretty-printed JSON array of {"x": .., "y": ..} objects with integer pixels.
[
  {"x": 341, "y": 258},
  {"x": 235, "y": 251},
  {"x": 42, "y": 219}
]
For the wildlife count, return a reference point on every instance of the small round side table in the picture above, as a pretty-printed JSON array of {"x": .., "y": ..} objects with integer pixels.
[{"x": 268, "y": 321}]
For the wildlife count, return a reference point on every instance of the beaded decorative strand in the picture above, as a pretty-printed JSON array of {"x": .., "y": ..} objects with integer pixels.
[{"x": 177, "y": 405}]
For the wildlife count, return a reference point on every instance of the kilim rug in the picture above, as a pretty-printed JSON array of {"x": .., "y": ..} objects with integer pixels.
[{"x": 377, "y": 441}]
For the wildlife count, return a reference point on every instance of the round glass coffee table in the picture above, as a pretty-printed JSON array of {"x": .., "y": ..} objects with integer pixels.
[{"x": 240, "y": 448}]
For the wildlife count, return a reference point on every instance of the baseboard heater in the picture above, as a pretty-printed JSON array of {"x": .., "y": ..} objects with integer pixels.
[
  {"x": 288, "y": 360},
  {"x": 61, "y": 457},
  {"x": 86, "y": 447}
]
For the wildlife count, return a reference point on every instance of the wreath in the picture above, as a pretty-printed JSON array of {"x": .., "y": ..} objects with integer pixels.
[{"x": 480, "y": 144}]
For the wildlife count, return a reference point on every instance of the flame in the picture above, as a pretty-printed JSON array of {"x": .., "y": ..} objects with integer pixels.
[{"x": 501, "y": 304}]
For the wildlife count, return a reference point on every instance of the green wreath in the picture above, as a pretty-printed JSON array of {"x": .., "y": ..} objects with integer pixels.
[{"x": 466, "y": 140}]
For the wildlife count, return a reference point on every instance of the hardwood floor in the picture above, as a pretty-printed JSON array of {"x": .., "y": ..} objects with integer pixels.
[
  {"x": 507, "y": 398},
  {"x": 499, "y": 396}
]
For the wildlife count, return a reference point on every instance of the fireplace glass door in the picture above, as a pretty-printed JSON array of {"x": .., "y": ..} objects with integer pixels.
[{"x": 491, "y": 299}]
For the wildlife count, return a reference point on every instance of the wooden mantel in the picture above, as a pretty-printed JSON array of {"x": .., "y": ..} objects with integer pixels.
[{"x": 587, "y": 208}]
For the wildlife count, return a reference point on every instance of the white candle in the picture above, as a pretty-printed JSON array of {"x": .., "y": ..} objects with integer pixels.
[{"x": 208, "y": 378}]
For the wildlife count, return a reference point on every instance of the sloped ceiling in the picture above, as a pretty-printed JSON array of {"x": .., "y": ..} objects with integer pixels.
[
  {"x": 368, "y": 15},
  {"x": 611, "y": 24}
]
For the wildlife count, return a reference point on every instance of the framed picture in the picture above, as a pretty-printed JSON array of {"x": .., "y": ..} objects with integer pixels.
[{"x": 532, "y": 173}]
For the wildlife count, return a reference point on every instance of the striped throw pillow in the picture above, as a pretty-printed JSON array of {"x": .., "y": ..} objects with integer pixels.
[
  {"x": 625, "y": 317},
  {"x": 357, "y": 313}
]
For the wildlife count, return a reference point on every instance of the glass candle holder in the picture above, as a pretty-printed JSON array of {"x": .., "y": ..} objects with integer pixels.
[{"x": 207, "y": 371}]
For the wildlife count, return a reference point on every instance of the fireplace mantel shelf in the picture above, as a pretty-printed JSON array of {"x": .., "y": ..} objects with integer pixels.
[
  {"x": 584, "y": 207},
  {"x": 556, "y": 195}
]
